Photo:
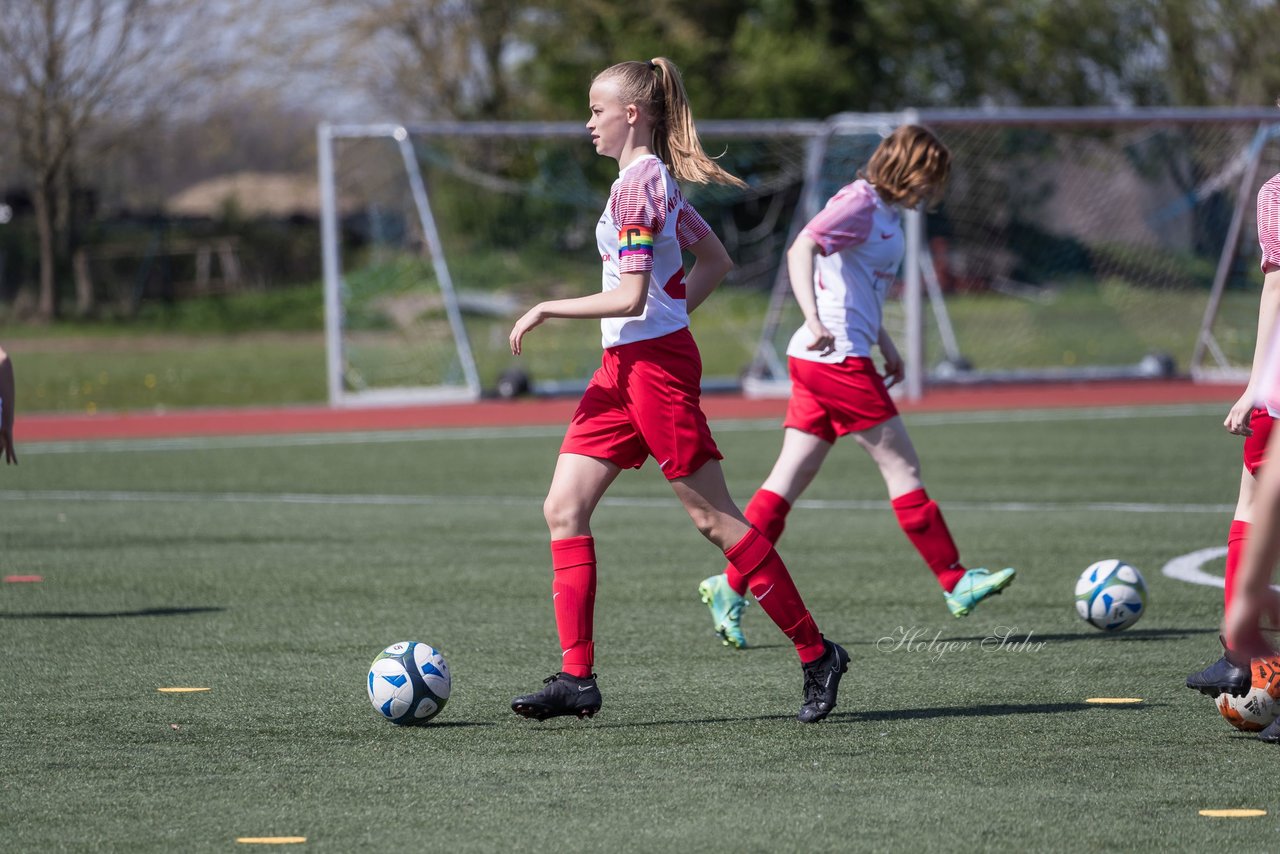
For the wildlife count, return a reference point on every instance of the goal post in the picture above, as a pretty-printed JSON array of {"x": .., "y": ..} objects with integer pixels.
[{"x": 407, "y": 359}]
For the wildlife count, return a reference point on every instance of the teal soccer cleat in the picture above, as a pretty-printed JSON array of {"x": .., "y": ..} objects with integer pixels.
[
  {"x": 726, "y": 609},
  {"x": 974, "y": 586}
]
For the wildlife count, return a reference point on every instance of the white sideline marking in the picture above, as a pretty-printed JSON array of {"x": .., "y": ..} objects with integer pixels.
[
  {"x": 1187, "y": 568},
  {"x": 666, "y": 502},
  {"x": 1033, "y": 506},
  {"x": 442, "y": 434}
]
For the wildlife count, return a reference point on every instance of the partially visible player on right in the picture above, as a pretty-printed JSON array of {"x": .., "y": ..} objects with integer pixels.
[
  {"x": 1252, "y": 416},
  {"x": 7, "y": 409}
]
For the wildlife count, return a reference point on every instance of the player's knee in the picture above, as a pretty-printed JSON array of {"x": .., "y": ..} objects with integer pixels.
[{"x": 561, "y": 513}]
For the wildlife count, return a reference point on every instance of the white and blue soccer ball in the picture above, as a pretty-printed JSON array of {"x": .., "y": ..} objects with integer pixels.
[
  {"x": 1111, "y": 595},
  {"x": 409, "y": 683}
]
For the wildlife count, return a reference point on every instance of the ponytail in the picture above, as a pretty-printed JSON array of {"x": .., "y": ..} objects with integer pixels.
[{"x": 656, "y": 88}]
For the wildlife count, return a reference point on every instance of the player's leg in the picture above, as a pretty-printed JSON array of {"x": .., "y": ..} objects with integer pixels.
[
  {"x": 920, "y": 518},
  {"x": 797, "y": 465},
  {"x": 706, "y": 498},
  {"x": 807, "y": 437},
  {"x": 1238, "y": 533},
  {"x": 1225, "y": 675},
  {"x": 577, "y": 486}
]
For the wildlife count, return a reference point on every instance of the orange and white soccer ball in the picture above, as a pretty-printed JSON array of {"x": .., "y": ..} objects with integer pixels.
[{"x": 1261, "y": 705}]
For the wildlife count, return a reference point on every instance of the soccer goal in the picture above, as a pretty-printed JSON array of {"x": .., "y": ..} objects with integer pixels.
[
  {"x": 1072, "y": 245},
  {"x": 393, "y": 321},
  {"x": 437, "y": 237}
]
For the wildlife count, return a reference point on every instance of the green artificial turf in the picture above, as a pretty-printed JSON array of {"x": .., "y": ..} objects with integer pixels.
[{"x": 271, "y": 570}]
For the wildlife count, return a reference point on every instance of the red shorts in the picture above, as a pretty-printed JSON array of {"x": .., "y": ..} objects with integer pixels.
[
  {"x": 1255, "y": 446},
  {"x": 830, "y": 401},
  {"x": 644, "y": 401}
]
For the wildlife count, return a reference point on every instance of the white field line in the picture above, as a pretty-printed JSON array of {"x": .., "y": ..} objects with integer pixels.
[
  {"x": 665, "y": 503},
  {"x": 1187, "y": 568},
  {"x": 470, "y": 434}
]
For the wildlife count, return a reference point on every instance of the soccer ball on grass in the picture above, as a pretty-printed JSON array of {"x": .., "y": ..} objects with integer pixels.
[
  {"x": 409, "y": 683},
  {"x": 1261, "y": 705},
  {"x": 1111, "y": 595}
]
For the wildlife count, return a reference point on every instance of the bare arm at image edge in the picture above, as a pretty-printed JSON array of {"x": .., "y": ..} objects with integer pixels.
[{"x": 7, "y": 409}]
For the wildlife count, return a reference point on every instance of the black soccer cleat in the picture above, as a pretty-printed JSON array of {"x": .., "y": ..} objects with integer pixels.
[
  {"x": 1271, "y": 734},
  {"x": 822, "y": 682},
  {"x": 563, "y": 695},
  {"x": 1222, "y": 677}
]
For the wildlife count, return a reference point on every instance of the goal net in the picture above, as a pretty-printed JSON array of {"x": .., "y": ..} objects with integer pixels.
[{"x": 1072, "y": 244}]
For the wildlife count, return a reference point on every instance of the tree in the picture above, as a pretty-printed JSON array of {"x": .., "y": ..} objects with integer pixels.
[
  {"x": 1220, "y": 51},
  {"x": 505, "y": 59},
  {"x": 425, "y": 59},
  {"x": 67, "y": 64}
]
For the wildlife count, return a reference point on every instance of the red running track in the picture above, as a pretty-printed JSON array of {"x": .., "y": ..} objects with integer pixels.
[{"x": 320, "y": 419}]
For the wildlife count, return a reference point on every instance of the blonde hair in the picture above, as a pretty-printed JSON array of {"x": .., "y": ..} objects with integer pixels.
[
  {"x": 910, "y": 165},
  {"x": 656, "y": 89}
]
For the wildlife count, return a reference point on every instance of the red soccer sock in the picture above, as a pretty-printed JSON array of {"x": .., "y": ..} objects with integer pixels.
[
  {"x": 1236, "y": 539},
  {"x": 573, "y": 587},
  {"x": 767, "y": 512},
  {"x": 754, "y": 559},
  {"x": 922, "y": 522}
]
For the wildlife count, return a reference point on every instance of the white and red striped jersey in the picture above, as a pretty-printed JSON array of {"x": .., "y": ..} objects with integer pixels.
[
  {"x": 645, "y": 225},
  {"x": 1269, "y": 223},
  {"x": 860, "y": 247}
]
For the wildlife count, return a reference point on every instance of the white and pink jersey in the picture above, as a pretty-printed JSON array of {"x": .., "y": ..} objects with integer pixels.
[
  {"x": 1269, "y": 224},
  {"x": 860, "y": 247},
  {"x": 1268, "y": 385},
  {"x": 645, "y": 225}
]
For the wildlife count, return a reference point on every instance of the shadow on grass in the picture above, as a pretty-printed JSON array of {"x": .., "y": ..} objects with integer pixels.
[
  {"x": 983, "y": 711},
  {"x": 100, "y": 615}
]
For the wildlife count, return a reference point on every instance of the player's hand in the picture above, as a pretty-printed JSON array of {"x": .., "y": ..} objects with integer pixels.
[
  {"x": 895, "y": 370},
  {"x": 824, "y": 341},
  {"x": 6, "y": 446},
  {"x": 1242, "y": 624},
  {"x": 533, "y": 317},
  {"x": 1237, "y": 420}
]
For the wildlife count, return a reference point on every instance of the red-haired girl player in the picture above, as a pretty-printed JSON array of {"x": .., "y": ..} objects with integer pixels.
[
  {"x": 841, "y": 266},
  {"x": 644, "y": 400}
]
